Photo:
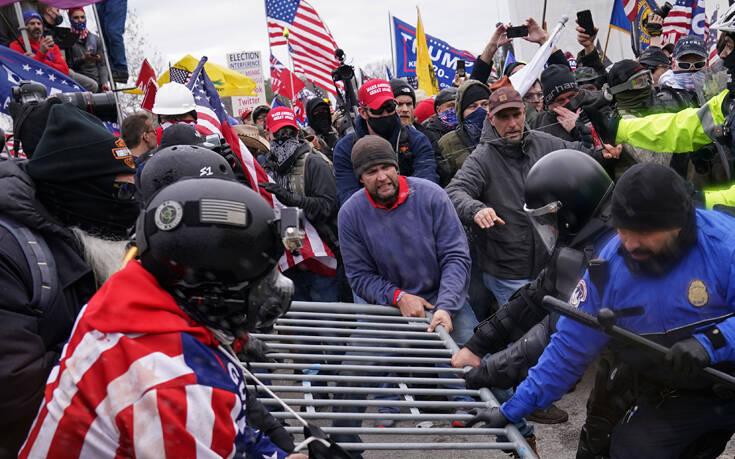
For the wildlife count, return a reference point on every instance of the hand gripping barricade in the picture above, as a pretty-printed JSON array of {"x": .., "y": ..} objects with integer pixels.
[{"x": 324, "y": 332}]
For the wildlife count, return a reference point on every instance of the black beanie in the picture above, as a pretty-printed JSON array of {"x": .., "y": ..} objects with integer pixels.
[
  {"x": 76, "y": 146},
  {"x": 622, "y": 71},
  {"x": 401, "y": 88},
  {"x": 445, "y": 95},
  {"x": 650, "y": 197},
  {"x": 475, "y": 91},
  {"x": 556, "y": 80}
]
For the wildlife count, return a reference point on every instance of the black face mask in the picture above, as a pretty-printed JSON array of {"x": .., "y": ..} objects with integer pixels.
[
  {"x": 321, "y": 124},
  {"x": 384, "y": 126},
  {"x": 90, "y": 205},
  {"x": 658, "y": 264},
  {"x": 282, "y": 152},
  {"x": 729, "y": 63},
  {"x": 635, "y": 99}
]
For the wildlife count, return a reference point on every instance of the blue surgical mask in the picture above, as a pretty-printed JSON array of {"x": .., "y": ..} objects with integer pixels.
[
  {"x": 449, "y": 118},
  {"x": 473, "y": 124}
]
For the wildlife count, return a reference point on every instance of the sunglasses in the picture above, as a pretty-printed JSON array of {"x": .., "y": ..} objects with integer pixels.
[
  {"x": 123, "y": 191},
  {"x": 388, "y": 107},
  {"x": 688, "y": 65}
]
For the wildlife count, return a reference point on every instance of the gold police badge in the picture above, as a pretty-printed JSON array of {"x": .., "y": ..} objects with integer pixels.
[{"x": 697, "y": 293}]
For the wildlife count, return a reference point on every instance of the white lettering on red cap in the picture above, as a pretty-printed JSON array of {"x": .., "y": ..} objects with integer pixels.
[{"x": 378, "y": 88}]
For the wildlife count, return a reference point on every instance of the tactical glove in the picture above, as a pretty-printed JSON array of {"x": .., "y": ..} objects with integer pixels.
[
  {"x": 491, "y": 417},
  {"x": 687, "y": 356},
  {"x": 286, "y": 197}
]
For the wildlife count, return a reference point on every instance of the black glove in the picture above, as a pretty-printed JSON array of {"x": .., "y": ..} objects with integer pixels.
[
  {"x": 286, "y": 197},
  {"x": 477, "y": 377},
  {"x": 606, "y": 127},
  {"x": 687, "y": 356},
  {"x": 255, "y": 350},
  {"x": 491, "y": 417}
]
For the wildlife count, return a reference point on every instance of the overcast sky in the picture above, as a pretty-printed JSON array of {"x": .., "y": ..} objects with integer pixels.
[{"x": 216, "y": 27}]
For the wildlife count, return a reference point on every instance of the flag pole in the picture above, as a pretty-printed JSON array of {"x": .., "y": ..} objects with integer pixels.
[
  {"x": 392, "y": 44},
  {"x": 543, "y": 17},
  {"x": 607, "y": 40},
  {"x": 287, "y": 34}
]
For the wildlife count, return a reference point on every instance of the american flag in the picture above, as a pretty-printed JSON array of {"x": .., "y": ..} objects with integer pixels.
[
  {"x": 687, "y": 17},
  {"x": 212, "y": 119},
  {"x": 311, "y": 43},
  {"x": 630, "y": 7},
  {"x": 142, "y": 382},
  {"x": 712, "y": 43}
]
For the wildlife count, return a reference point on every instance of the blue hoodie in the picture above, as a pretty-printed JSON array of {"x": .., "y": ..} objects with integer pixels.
[{"x": 424, "y": 165}]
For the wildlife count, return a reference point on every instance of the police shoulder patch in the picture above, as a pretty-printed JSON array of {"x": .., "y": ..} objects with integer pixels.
[
  {"x": 697, "y": 293},
  {"x": 579, "y": 295}
]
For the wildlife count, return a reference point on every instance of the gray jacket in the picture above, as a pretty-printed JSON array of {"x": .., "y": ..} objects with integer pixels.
[{"x": 493, "y": 176}]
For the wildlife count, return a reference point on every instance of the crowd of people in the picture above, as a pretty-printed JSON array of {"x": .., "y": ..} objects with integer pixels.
[{"x": 134, "y": 268}]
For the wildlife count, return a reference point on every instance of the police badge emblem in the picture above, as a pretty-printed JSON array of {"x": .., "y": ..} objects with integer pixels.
[
  {"x": 168, "y": 215},
  {"x": 697, "y": 293},
  {"x": 579, "y": 295}
]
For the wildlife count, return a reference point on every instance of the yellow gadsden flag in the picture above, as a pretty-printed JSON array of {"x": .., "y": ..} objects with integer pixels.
[
  {"x": 228, "y": 82},
  {"x": 424, "y": 66}
]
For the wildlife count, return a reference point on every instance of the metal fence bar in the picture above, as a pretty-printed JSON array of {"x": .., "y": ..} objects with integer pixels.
[
  {"x": 343, "y": 339},
  {"x": 360, "y": 379},
  {"x": 351, "y": 308},
  {"x": 367, "y": 358},
  {"x": 327, "y": 315},
  {"x": 404, "y": 430},
  {"x": 393, "y": 416},
  {"x": 397, "y": 403},
  {"x": 345, "y": 324},
  {"x": 357, "y": 331},
  {"x": 328, "y": 347},
  {"x": 365, "y": 368},
  {"x": 372, "y": 390},
  {"x": 426, "y": 446}
]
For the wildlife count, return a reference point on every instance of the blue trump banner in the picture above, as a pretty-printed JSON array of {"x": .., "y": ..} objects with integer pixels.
[
  {"x": 16, "y": 67},
  {"x": 443, "y": 55}
]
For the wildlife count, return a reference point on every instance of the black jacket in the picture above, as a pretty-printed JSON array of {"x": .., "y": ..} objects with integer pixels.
[
  {"x": 319, "y": 199},
  {"x": 31, "y": 341},
  {"x": 494, "y": 176}
]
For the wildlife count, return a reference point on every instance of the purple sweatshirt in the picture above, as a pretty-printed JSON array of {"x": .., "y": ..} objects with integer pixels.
[{"x": 418, "y": 246}]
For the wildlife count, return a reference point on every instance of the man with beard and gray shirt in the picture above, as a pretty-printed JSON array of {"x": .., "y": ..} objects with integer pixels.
[{"x": 65, "y": 217}]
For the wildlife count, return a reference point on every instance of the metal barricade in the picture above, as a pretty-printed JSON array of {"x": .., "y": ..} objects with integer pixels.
[{"x": 309, "y": 346}]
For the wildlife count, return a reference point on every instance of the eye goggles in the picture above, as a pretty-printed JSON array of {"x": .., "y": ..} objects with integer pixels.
[
  {"x": 699, "y": 65},
  {"x": 640, "y": 80},
  {"x": 387, "y": 108}
]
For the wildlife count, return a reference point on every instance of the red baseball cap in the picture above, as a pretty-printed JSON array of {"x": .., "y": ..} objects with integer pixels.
[
  {"x": 280, "y": 117},
  {"x": 375, "y": 93}
]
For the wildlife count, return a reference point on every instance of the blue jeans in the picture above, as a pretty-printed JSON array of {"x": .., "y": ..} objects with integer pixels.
[
  {"x": 503, "y": 289},
  {"x": 112, "y": 15},
  {"x": 310, "y": 286}
]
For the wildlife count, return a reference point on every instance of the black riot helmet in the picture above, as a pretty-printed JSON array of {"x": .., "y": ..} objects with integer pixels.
[
  {"x": 214, "y": 245},
  {"x": 171, "y": 164},
  {"x": 563, "y": 191}
]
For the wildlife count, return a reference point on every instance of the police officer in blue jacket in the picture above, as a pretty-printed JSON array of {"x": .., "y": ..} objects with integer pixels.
[{"x": 670, "y": 277}]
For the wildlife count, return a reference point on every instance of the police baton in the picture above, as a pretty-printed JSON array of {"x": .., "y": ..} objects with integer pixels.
[{"x": 605, "y": 322}]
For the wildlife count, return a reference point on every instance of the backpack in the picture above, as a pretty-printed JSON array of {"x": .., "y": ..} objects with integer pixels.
[{"x": 44, "y": 279}]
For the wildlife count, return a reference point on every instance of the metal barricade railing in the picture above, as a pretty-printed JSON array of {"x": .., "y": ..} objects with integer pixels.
[{"x": 309, "y": 346}]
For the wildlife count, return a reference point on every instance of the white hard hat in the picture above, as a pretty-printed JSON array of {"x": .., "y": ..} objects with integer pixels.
[
  {"x": 726, "y": 22},
  {"x": 173, "y": 99}
]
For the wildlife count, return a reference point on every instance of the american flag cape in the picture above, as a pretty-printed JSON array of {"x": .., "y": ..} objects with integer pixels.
[
  {"x": 687, "y": 17},
  {"x": 139, "y": 378},
  {"x": 311, "y": 43},
  {"x": 212, "y": 119}
]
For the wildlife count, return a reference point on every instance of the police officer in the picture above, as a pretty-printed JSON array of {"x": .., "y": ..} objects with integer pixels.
[
  {"x": 673, "y": 265},
  {"x": 571, "y": 216}
]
